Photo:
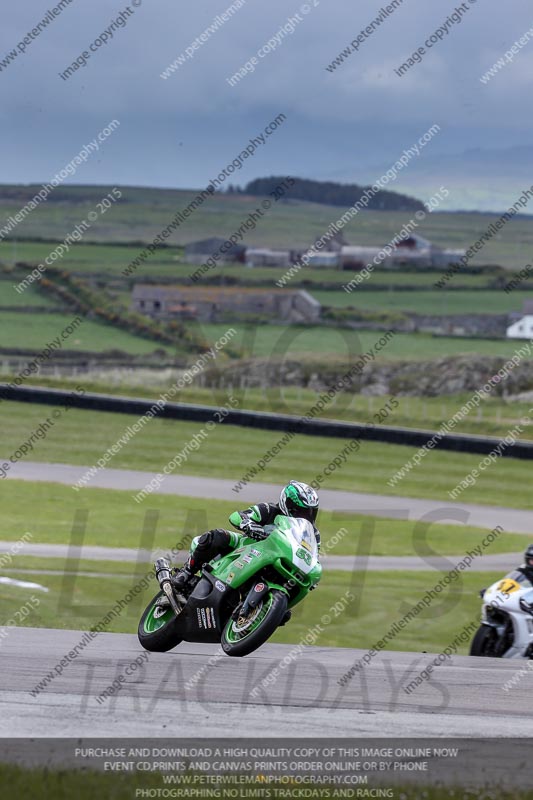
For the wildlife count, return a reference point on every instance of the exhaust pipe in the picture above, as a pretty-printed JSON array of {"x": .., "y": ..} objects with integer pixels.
[{"x": 163, "y": 573}]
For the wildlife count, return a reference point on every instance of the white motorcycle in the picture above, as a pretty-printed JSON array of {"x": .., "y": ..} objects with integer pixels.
[{"x": 506, "y": 619}]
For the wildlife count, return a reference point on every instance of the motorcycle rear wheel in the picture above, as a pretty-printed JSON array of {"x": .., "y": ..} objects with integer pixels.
[{"x": 244, "y": 635}]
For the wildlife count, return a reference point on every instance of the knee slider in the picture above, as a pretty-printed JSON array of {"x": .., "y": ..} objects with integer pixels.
[
  {"x": 206, "y": 539},
  {"x": 217, "y": 537},
  {"x": 220, "y": 537}
]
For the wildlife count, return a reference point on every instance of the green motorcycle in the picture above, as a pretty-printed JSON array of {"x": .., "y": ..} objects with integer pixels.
[{"x": 239, "y": 599}]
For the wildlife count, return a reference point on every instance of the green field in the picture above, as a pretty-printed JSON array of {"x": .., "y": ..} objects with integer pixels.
[
  {"x": 426, "y": 302},
  {"x": 387, "y": 280},
  {"x": 277, "y": 341},
  {"x": 47, "y": 511},
  {"x": 31, "y": 297},
  {"x": 81, "y": 437},
  {"x": 142, "y": 213},
  {"x": 33, "y": 331},
  {"x": 104, "y": 259}
]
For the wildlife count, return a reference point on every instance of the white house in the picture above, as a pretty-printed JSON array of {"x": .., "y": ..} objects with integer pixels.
[{"x": 521, "y": 329}]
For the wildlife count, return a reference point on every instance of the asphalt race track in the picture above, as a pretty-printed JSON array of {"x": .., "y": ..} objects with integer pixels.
[{"x": 465, "y": 698}]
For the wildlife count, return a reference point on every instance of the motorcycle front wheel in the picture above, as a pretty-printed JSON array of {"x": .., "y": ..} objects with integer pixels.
[
  {"x": 484, "y": 642},
  {"x": 243, "y": 635},
  {"x": 159, "y": 629}
]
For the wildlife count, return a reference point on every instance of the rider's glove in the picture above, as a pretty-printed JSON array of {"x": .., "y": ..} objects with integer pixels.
[{"x": 253, "y": 529}]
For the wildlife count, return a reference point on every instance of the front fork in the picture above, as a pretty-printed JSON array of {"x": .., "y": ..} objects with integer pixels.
[{"x": 254, "y": 597}]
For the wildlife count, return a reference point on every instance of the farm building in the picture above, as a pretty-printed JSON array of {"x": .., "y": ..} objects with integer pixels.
[
  {"x": 212, "y": 304},
  {"x": 199, "y": 252},
  {"x": 357, "y": 257},
  {"x": 410, "y": 249},
  {"x": 324, "y": 259},
  {"x": 263, "y": 257},
  {"x": 521, "y": 329},
  {"x": 521, "y": 323}
]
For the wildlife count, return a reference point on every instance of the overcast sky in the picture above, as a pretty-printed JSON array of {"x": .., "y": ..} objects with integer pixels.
[{"x": 181, "y": 131}]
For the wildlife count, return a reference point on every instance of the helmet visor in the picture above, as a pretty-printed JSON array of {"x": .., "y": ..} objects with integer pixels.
[{"x": 301, "y": 512}]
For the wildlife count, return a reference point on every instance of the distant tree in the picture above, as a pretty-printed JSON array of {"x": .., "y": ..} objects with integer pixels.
[{"x": 334, "y": 194}]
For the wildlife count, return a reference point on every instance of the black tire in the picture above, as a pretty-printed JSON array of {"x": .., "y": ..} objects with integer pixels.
[
  {"x": 251, "y": 641},
  {"x": 483, "y": 642},
  {"x": 164, "y": 638}
]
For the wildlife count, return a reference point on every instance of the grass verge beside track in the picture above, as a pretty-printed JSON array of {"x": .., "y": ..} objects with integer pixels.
[
  {"x": 47, "y": 511},
  {"x": 79, "y": 602},
  {"x": 493, "y": 418},
  {"x": 81, "y": 437}
]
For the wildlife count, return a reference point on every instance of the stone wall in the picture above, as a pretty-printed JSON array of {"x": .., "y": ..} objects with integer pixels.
[
  {"x": 444, "y": 376},
  {"x": 485, "y": 325}
]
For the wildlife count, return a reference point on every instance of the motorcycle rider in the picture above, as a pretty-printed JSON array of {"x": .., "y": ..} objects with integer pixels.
[
  {"x": 527, "y": 567},
  {"x": 296, "y": 500}
]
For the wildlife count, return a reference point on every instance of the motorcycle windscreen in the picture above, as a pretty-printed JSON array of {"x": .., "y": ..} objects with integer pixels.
[
  {"x": 520, "y": 578},
  {"x": 302, "y": 537}
]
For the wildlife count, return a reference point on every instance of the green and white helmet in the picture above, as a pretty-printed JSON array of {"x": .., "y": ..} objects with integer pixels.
[{"x": 299, "y": 500}]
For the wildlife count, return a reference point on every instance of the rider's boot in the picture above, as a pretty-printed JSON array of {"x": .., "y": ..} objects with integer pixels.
[
  {"x": 182, "y": 577},
  {"x": 179, "y": 582}
]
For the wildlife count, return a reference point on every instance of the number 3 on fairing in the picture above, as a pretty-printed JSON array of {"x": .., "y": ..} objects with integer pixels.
[{"x": 305, "y": 555}]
